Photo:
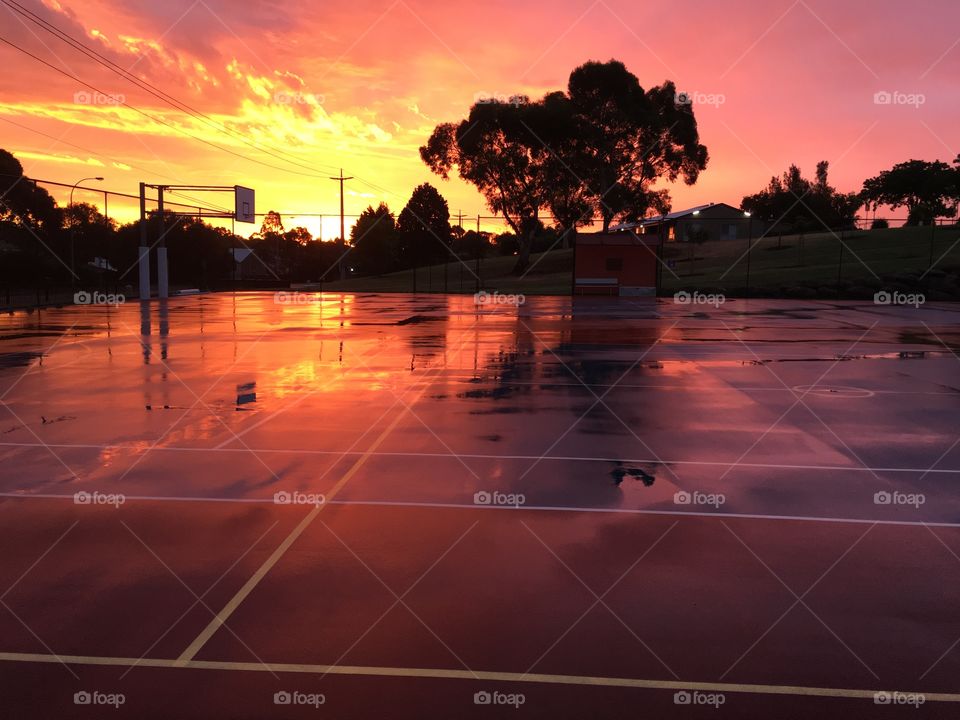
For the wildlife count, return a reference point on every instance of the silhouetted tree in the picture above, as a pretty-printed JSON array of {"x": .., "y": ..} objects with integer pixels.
[
  {"x": 627, "y": 139},
  {"x": 792, "y": 203},
  {"x": 23, "y": 202},
  {"x": 495, "y": 149},
  {"x": 272, "y": 223},
  {"x": 599, "y": 148},
  {"x": 423, "y": 228},
  {"x": 30, "y": 221},
  {"x": 91, "y": 232},
  {"x": 928, "y": 190},
  {"x": 471, "y": 244},
  {"x": 299, "y": 235},
  {"x": 566, "y": 196},
  {"x": 374, "y": 241}
]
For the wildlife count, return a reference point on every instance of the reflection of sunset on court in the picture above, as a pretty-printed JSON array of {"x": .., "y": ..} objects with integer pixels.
[{"x": 361, "y": 87}]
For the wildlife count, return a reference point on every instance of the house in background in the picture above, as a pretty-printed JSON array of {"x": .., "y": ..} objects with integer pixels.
[
  {"x": 247, "y": 266},
  {"x": 619, "y": 263},
  {"x": 713, "y": 221}
]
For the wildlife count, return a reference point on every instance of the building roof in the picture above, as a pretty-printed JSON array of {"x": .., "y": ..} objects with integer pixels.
[{"x": 656, "y": 219}]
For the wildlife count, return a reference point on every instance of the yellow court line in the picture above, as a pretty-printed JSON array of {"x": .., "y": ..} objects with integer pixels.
[
  {"x": 228, "y": 609},
  {"x": 484, "y": 675}
]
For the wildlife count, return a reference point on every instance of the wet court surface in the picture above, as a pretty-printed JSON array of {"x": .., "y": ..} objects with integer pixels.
[{"x": 393, "y": 503}]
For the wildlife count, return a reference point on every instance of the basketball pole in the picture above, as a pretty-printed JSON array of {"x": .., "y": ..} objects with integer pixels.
[
  {"x": 244, "y": 211},
  {"x": 143, "y": 261},
  {"x": 163, "y": 278}
]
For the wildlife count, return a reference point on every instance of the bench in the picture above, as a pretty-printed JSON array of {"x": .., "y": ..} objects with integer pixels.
[{"x": 596, "y": 286}]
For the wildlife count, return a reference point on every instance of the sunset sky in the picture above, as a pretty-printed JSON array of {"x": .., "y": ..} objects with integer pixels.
[{"x": 361, "y": 85}]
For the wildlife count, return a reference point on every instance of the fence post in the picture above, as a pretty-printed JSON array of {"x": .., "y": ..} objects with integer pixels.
[
  {"x": 749, "y": 248},
  {"x": 840, "y": 264},
  {"x": 933, "y": 230}
]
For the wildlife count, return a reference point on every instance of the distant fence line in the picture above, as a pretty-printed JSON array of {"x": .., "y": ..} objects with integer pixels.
[{"x": 468, "y": 221}]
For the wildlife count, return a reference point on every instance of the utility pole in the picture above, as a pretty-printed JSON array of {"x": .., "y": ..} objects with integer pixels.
[{"x": 343, "y": 236}]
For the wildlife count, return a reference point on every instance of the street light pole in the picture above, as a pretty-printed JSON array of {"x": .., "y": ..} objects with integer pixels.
[
  {"x": 749, "y": 248},
  {"x": 73, "y": 232}
]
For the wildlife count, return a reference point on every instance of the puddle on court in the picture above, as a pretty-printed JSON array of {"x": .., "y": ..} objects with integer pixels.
[{"x": 597, "y": 403}]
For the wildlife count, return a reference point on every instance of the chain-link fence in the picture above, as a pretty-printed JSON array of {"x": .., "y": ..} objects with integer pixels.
[{"x": 842, "y": 263}]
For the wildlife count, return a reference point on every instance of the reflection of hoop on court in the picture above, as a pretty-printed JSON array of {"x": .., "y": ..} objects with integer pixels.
[{"x": 838, "y": 391}]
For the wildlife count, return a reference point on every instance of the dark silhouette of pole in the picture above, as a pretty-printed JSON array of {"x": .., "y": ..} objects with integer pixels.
[
  {"x": 143, "y": 263},
  {"x": 163, "y": 272},
  {"x": 933, "y": 232},
  {"x": 840, "y": 263},
  {"x": 343, "y": 235}
]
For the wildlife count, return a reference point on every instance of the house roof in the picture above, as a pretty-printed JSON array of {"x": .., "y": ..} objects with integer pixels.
[{"x": 669, "y": 216}]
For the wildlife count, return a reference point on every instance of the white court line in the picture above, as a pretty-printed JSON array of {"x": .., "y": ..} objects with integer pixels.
[
  {"x": 490, "y": 456},
  {"x": 487, "y": 675},
  {"x": 512, "y": 508}
]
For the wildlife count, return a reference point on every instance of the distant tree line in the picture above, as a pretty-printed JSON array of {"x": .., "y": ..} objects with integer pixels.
[
  {"x": 794, "y": 204},
  {"x": 41, "y": 243}
]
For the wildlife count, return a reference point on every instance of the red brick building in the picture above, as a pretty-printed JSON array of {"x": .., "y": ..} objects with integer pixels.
[{"x": 615, "y": 264}]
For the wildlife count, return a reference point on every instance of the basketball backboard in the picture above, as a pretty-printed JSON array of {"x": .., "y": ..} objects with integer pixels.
[{"x": 245, "y": 211}]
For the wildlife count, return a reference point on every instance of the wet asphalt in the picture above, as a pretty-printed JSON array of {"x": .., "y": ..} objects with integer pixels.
[{"x": 756, "y": 493}]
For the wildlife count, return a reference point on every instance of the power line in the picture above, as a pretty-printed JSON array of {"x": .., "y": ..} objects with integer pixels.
[
  {"x": 149, "y": 87},
  {"x": 80, "y": 147},
  {"x": 148, "y": 115}
]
